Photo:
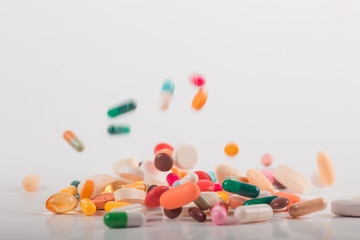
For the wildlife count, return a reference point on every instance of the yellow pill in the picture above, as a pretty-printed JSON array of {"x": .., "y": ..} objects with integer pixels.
[
  {"x": 87, "y": 206},
  {"x": 111, "y": 204},
  {"x": 137, "y": 185},
  {"x": 115, "y": 186},
  {"x": 223, "y": 195},
  {"x": 231, "y": 149},
  {"x": 70, "y": 189},
  {"x": 31, "y": 182},
  {"x": 326, "y": 169},
  {"x": 61, "y": 202}
]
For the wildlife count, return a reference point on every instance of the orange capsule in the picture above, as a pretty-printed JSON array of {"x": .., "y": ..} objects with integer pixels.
[
  {"x": 87, "y": 190},
  {"x": 199, "y": 99},
  {"x": 231, "y": 149},
  {"x": 73, "y": 141},
  {"x": 61, "y": 202},
  {"x": 70, "y": 189}
]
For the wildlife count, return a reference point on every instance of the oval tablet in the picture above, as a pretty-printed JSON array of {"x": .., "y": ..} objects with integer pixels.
[
  {"x": 256, "y": 178},
  {"x": 127, "y": 162},
  {"x": 326, "y": 169},
  {"x": 185, "y": 156},
  {"x": 291, "y": 179},
  {"x": 224, "y": 170},
  {"x": 231, "y": 149},
  {"x": 279, "y": 203},
  {"x": 152, "y": 199},
  {"x": 346, "y": 207},
  {"x": 197, "y": 214},
  {"x": 102, "y": 199},
  {"x": 130, "y": 195},
  {"x": 131, "y": 174},
  {"x": 172, "y": 213},
  {"x": 179, "y": 196},
  {"x": 291, "y": 197},
  {"x": 199, "y": 99}
]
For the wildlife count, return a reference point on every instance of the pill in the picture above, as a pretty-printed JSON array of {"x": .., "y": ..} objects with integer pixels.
[
  {"x": 179, "y": 196},
  {"x": 163, "y": 162},
  {"x": 346, "y": 207},
  {"x": 130, "y": 195},
  {"x": 264, "y": 193},
  {"x": 166, "y": 151},
  {"x": 223, "y": 195},
  {"x": 198, "y": 80},
  {"x": 117, "y": 184},
  {"x": 123, "y": 219},
  {"x": 171, "y": 178},
  {"x": 185, "y": 156},
  {"x": 121, "y": 109},
  {"x": 172, "y": 213},
  {"x": 73, "y": 141},
  {"x": 179, "y": 172},
  {"x": 200, "y": 99},
  {"x": 130, "y": 208},
  {"x": 100, "y": 182},
  {"x": 224, "y": 170},
  {"x": 291, "y": 179},
  {"x": 70, "y": 189},
  {"x": 127, "y": 162},
  {"x": 75, "y": 183},
  {"x": 31, "y": 182},
  {"x": 212, "y": 175},
  {"x": 307, "y": 207},
  {"x": 112, "y": 204},
  {"x": 87, "y": 189},
  {"x": 203, "y": 175},
  {"x": 152, "y": 199},
  {"x": 278, "y": 185},
  {"x": 253, "y": 213},
  {"x": 151, "y": 187},
  {"x": 131, "y": 174},
  {"x": 206, "y": 185},
  {"x": 116, "y": 129},
  {"x": 316, "y": 180},
  {"x": 87, "y": 206},
  {"x": 231, "y": 149},
  {"x": 292, "y": 197},
  {"x": 138, "y": 185},
  {"x": 326, "y": 169},
  {"x": 256, "y": 178},
  {"x": 190, "y": 177},
  {"x": 267, "y": 159},
  {"x": 235, "y": 201},
  {"x": 268, "y": 173},
  {"x": 218, "y": 213},
  {"x": 101, "y": 199},
  {"x": 234, "y": 178},
  {"x": 197, "y": 214},
  {"x": 202, "y": 202},
  {"x": 211, "y": 196},
  {"x": 152, "y": 174},
  {"x": 241, "y": 188},
  {"x": 279, "y": 203},
  {"x": 161, "y": 146},
  {"x": 217, "y": 187},
  {"x": 166, "y": 94},
  {"x": 264, "y": 200},
  {"x": 61, "y": 203}
]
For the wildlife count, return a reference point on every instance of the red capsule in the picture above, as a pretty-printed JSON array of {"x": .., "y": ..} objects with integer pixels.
[
  {"x": 203, "y": 175},
  {"x": 152, "y": 199},
  {"x": 206, "y": 185},
  {"x": 161, "y": 146}
]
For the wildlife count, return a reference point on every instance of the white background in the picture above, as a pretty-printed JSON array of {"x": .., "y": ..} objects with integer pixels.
[{"x": 282, "y": 76}]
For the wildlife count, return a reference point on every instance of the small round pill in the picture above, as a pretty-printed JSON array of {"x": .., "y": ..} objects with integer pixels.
[
  {"x": 163, "y": 162},
  {"x": 198, "y": 80},
  {"x": 185, "y": 156},
  {"x": 231, "y": 149},
  {"x": 279, "y": 203},
  {"x": 267, "y": 159},
  {"x": 31, "y": 182},
  {"x": 197, "y": 214},
  {"x": 172, "y": 213}
]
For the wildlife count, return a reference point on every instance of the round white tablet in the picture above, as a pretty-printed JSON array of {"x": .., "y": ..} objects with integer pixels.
[
  {"x": 346, "y": 207},
  {"x": 127, "y": 162},
  {"x": 131, "y": 174},
  {"x": 185, "y": 156},
  {"x": 130, "y": 195}
]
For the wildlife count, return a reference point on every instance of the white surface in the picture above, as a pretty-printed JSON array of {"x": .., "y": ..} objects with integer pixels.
[{"x": 282, "y": 77}]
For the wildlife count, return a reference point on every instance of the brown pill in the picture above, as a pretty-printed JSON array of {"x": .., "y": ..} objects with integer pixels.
[
  {"x": 163, "y": 162},
  {"x": 235, "y": 201},
  {"x": 279, "y": 203},
  {"x": 172, "y": 213},
  {"x": 150, "y": 187},
  {"x": 197, "y": 214},
  {"x": 307, "y": 207},
  {"x": 102, "y": 199}
]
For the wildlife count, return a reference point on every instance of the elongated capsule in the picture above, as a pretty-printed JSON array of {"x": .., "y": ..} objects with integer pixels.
[
  {"x": 326, "y": 169},
  {"x": 112, "y": 204},
  {"x": 122, "y": 108},
  {"x": 219, "y": 212},
  {"x": 307, "y": 207},
  {"x": 253, "y": 213},
  {"x": 167, "y": 91},
  {"x": 70, "y": 189},
  {"x": 124, "y": 219},
  {"x": 200, "y": 99},
  {"x": 264, "y": 200},
  {"x": 241, "y": 188},
  {"x": 73, "y": 140},
  {"x": 113, "y": 129},
  {"x": 61, "y": 202},
  {"x": 87, "y": 207},
  {"x": 202, "y": 202},
  {"x": 130, "y": 208}
]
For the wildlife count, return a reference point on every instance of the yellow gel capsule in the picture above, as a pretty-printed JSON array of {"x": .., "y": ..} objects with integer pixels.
[
  {"x": 111, "y": 204},
  {"x": 87, "y": 207},
  {"x": 326, "y": 169},
  {"x": 70, "y": 189},
  {"x": 137, "y": 185},
  {"x": 231, "y": 149},
  {"x": 61, "y": 202},
  {"x": 115, "y": 186},
  {"x": 31, "y": 182},
  {"x": 223, "y": 195}
]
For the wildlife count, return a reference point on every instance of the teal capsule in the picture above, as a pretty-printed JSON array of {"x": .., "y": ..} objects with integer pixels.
[
  {"x": 124, "y": 219},
  {"x": 121, "y": 109},
  {"x": 75, "y": 183},
  {"x": 213, "y": 177},
  {"x": 169, "y": 86},
  {"x": 118, "y": 129},
  {"x": 264, "y": 200},
  {"x": 241, "y": 188}
]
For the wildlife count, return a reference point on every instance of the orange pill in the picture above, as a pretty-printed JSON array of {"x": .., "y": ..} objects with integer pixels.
[
  {"x": 244, "y": 179},
  {"x": 87, "y": 190},
  {"x": 137, "y": 185},
  {"x": 231, "y": 149},
  {"x": 292, "y": 197},
  {"x": 179, "y": 172},
  {"x": 179, "y": 196},
  {"x": 199, "y": 99}
]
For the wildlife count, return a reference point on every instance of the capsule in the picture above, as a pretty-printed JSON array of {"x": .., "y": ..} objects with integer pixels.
[
  {"x": 70, "y": 189},
  {"x": 202, "y": 202},
  {"x": 130, "y": 208},
  {"x": 87, "y": 207},
  {"x": 123, "y": 219},
  {"x": 112, "y": 204},
  {"x": 87, "y": 189},
  {"x": 241, "y": 188},
  {"x": 279, "y": 203},
  {"x": 223, "y": 195},
  {"x": 171, "y": 178},
  {"x": 122, "y": 108},
  {"x": 31, "y": 182},
  {"x": 253, "y": 213},
  {"x": 218, "y": 213},
  {"x": 199, "y": 99},
  {"x": 326, "y": 169},
  {"x": 75, "y": 183},
  {"x": 73, "y": 141},
  {"x": 190, "y": 177},
  {"x": 264, "y": 200},
  {"x": 307, "y": 207},
  {"x": 166, "y": 94},
  {"x": 118, "y": 129},
  {"x": 61, "y": 203}
]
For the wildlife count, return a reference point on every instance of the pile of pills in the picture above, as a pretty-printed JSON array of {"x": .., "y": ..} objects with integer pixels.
[{"x": 168, "y": 182}]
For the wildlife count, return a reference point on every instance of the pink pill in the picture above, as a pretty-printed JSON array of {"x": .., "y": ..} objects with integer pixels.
[
  {"x": 197, "y": 80},
  {"x": 217, "y": 187},
  {"x": 267, "y": 159},
  {"x": 268, "y": 173},
  {"x": 218, "y": 214},
  {"x": 171, "y": 178},
  {"x": 206, "y": 185}
]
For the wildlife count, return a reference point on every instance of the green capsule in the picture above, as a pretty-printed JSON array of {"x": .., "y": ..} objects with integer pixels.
[
  {"x": 264, "y": 200},
  {"x": 124, "y": 219},
  {"x": 241, "y": 188},
  {"x": 75, "y": 183},
  {"x": 121, "y": 109},
  {"x": 118, "y": 129}
]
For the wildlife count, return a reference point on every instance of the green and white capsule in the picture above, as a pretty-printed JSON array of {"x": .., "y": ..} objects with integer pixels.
[
  {"x": 124, "y": 219},
  {"x": 118, "y": 129},
  {"x": 122, "y": 108}
]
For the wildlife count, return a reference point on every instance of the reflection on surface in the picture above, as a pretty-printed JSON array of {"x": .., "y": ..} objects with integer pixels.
[
  {"x": 124, "y": 233},
  {"x": 280, "y": 229},
  {"x": 61, "y": 225},
  {"x": 317, "y": 229}
]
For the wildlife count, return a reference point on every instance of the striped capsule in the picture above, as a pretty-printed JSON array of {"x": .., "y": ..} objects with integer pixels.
[
  {"x": 124, "y": 219},
  {"x": 121, "y": 109},
  {"x": 73, "y": 140}
]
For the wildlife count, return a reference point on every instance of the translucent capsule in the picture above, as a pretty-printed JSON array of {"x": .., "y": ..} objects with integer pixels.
[
  {"x": 70, "y": 137},
  {"x": 137, "y": 185},
  {"x": 123, "y": 219},
  {"x": 264, "y": 200},
  {"x": 31, "y": 182},
  {"x": 253, "y": 213},
  {"x": 166, "y": 94},
  {"x": 112, "y": 204},
  {"x": 218, "y": 213},
  {"x": 70, "y": 189},
  {"x": 198, "y": 80},
  {"x": 231, "y": 149},
  {"x": 307, "y": 207},
  {"x": 61, "y": 203},
  {"x": 241, "y": 188},
  {"x": 87, "y": 207},
  {"x": 118, "y": 129},
  {"x": 223, "y": 195},
  {"x": 122, "y": 108},
  {"x": 112, "y": 187},
  {"x": 199, "y": 99}
]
